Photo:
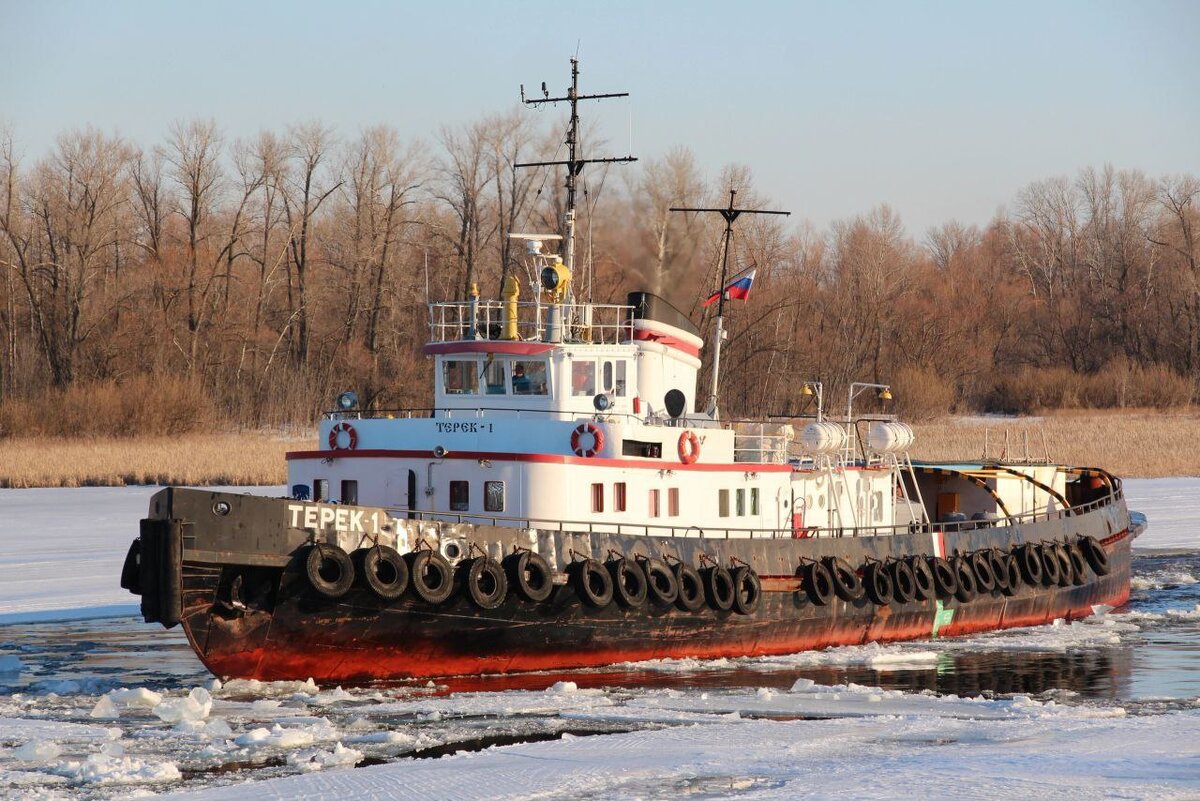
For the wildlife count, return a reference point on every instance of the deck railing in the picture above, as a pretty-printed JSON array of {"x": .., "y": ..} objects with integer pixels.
[
  {"x": 695, "y": 532},
  {"x": 485, "y": 319}
]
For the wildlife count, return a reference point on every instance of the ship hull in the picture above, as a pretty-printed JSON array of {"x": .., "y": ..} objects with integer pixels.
[{"x": 248, "y": 609}]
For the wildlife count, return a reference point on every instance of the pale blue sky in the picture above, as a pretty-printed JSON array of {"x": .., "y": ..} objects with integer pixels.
[{"x": 944, "y": 110}]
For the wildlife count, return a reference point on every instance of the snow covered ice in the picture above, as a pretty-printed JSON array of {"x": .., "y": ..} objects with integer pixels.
[{"x": 95, "y": 707}]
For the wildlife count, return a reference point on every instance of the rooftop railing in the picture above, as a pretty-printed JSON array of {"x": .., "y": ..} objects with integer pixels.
[{"x": 486, "y": 319}]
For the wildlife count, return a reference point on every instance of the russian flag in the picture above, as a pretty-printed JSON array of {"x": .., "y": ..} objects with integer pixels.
[{"x": 737, "y": 289}]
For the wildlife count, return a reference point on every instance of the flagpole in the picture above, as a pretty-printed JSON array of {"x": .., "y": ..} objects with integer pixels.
[{"x": 730, "y": 214}]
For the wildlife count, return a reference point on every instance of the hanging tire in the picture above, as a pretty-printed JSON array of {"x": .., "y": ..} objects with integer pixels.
[
  {"x": 846, "y": 583},
  {"x": 1079, "y": 564},
  {"x": 967, "y": 589},
  {"x": 1051, "y": 569},
  {"x": 818, "y": 584},
  {"x": 131, "y": 570},
  {"x": 878, "y": 584},
  {"x": 1012, "y": 569},
  {"x": 530, "y": 575},
  {"x": 904, "y": 583},
  {"x": 431, "y": 576},
  {"x": 747, "y": 590},
  {"x": 999, "y": 564},
  {"x": 661, "y": 586},
  {"x": 629, "y": 582},
  {"x": 945, "y": 580},
  {"x": 593, "y": 584},
  {"x": 329, "y": 569},
  {"x": 981, "y": 566},
  {"x": 484, "y": 580},
  {"x": 922, "y": 577},
  {"x": 691, "y": 588},
  {"x": 384, "y": 570},
  {"x": 1066, "y": 575},
  {"x": 1095, "y": 554},
  {"x": 1030, "y": 562},
  {"x": 718, "y": 588}
]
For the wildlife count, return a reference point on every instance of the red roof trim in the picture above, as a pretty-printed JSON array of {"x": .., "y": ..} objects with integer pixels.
[
  {"x": 666, "y": 339},
  {"x": 488, "y": 346}
]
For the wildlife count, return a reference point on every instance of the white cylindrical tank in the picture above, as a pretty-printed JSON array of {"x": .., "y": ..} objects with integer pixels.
[
  {"x": 823, "y": 437},
  {"x": 890, "y": 437}
]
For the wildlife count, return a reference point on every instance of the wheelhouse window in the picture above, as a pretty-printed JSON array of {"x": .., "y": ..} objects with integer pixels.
[
  {"x": 493, "y": 496},
  {"x": 597, "y": 497},
  {"x": 349, "y": 492},
  {"x": 320, "y": 490},
  {"x": 460, "y": 377},
  {"x": 460, "y": 496},
  {"x": 619, "y": 385},
  {"x": 613, "y": 377},
  {"x": 583, "y": 378},
  {"x": 529, "y": 377},
  {"x": 495, "y": 377}
]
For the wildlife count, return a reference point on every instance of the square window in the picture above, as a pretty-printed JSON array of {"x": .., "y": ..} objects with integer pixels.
[
  {"x": 740, "y": 498},
  {"x": 619, "y": 496},
  {"x": 350, "y": 492},
  {"x": 723, "y": 503},
  {"x": 597, "y": 497},
  {"x": 583, "y": 378},
  {"x": 673, "y": 501},
  {"x": 460, "y": 377},
  {"x": 493, "y": 496},
  {"x": 495, "y": 375},
  {"x": 529, "y": 377},
  {"x": 321, "y": 490},
  {"x": 460, "y": 496},
  {"x": 654, "y": 503}
]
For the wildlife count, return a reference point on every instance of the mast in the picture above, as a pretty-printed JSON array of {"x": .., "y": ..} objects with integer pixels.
[
  {"x": 730, "y": 213},
  {"x": 574, "y": 164}
]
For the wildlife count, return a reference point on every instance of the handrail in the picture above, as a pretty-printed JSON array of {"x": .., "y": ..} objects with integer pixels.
[{"x": 645, "y": 529}]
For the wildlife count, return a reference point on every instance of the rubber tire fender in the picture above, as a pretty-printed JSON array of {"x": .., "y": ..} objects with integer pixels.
[
  {"x": 981, "y": 566},
  {"x": 1067, "y": 570},
  {"x": 967, "y": 589},
  {"x": 1051, "y": 568},
  {"x": 904, "y": 582},
  {"x": 817, "y": 582},
  {"x": 629, "y": 582},
  {"x": 846, "y": 583},
  {"x": 661, "y": 585},
  {"x": 476, "y": 574},
  {"x": 425, "y": 565},
  {"x": 1079, "y": 564},
  {"x": 384, "y": 571},
  {"x": 1096, "y": 556},
  {"x": 131, "y": 570},
  {"x": 747, "y": 590},
  {"x": 585, "y": 574},
  {"x": 530, "y": 574},
  {"x": 922, "y": 578},
  {"x": 691, "y": 587},
  {"x": 998, "y": 561},
  {"x": 1012, "y": 570},
  {"x": 718, "y": 588},
  {"x": 1030, "y": 562},
  {"x": 945, "y": 579},
  {"x": 878, "y": 584},
  {"x": 320, "y": 562}
]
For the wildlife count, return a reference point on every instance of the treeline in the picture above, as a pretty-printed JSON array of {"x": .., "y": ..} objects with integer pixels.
[{"x": 206, "y": 281}]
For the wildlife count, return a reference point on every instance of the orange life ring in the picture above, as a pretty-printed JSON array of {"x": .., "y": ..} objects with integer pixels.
[
  {"x": 335, "y": 438},
  {"x": 577, "y": 440},
  {"x": 689, "y": 447}
]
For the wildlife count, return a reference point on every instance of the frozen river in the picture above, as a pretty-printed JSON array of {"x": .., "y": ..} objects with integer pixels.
[{"x": 95, "y": 704}]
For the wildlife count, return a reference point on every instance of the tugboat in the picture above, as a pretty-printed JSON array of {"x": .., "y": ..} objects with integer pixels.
[{"x": 566, "y": 503}]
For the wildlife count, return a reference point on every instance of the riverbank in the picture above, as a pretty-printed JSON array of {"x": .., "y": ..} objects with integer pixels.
[{"x": 1131, "y": 443}]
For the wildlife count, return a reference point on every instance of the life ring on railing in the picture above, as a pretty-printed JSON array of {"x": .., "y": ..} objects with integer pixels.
[
  {"x": 577, "y": 440},
  {"x": 335, "y": 437},
  {"x": 689, "y": 447}
]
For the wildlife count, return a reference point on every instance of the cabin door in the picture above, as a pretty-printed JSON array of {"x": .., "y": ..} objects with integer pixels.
[{"x": 411, "y": 505}]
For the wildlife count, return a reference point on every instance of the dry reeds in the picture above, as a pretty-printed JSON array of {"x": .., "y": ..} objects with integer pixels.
[
  {"x": 194, "y": 459},
  {"x": 1131, "y": 443}
]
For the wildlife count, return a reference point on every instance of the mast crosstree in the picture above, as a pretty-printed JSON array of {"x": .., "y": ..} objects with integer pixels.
[
  {"x": 573, "y": 163},
  {"x": 730, "y": 213}
]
